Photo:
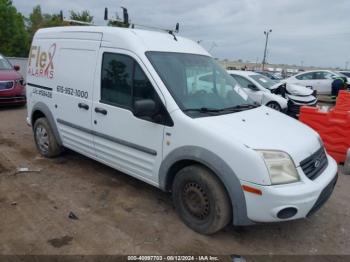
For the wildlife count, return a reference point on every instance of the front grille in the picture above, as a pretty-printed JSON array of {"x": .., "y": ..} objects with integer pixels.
[
  {"x": 5, "y": 85},
  {"x": 293, "y": 109},
  {"x": 324, "y": 196},
  {"x": 314, "y": 165}
]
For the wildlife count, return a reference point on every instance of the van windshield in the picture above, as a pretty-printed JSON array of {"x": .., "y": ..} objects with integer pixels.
[{"x": 198, "y": 84}]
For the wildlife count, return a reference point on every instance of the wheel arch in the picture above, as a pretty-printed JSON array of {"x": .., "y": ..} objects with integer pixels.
[
  {"x": 42, "y": 110},
  {"x": 189, "y": 155}
]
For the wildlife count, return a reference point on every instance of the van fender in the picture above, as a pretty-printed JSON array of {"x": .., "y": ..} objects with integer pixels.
[
  {"x": 40, "y": 106},
  {"x": 219, "y": 167}
]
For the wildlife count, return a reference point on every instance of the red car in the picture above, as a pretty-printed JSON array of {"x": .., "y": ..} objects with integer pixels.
[{"x": 12, "y": 90}]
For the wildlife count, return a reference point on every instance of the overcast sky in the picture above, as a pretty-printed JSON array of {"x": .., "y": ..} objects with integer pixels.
[{"x": 316, "y": 32}]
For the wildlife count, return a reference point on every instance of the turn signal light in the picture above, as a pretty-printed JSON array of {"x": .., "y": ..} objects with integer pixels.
[{"x": 252, "y": 190}]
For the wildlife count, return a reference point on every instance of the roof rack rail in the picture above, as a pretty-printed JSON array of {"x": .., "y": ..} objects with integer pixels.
[
  {"x": 128, "y": 23},
  {"x": 72, "y": 21}
]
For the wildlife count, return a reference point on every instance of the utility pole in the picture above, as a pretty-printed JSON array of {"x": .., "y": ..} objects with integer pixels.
[
  {"x": 266, "y": 33},
  {"x": 346, "y": 65},
  {"x": 212, "y": 46}
]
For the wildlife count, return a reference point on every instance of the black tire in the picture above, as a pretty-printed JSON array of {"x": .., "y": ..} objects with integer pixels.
[
  {"x": 201, "y": 200},
  {"x": 274, "y": 105},
  {"x": 45, "y": 139}
]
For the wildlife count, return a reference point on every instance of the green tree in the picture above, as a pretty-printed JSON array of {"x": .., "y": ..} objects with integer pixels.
[
  {"x": 83, "y": 16},
  {"x": 13, "y": 36},
  {"x": 35, "y": 21},
  {"x": 39, "y": 20},
  {"x": 118, "y": 24}
]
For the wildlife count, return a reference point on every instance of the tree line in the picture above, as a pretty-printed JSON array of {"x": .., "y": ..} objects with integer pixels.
[{"x": 17, "y": 31}]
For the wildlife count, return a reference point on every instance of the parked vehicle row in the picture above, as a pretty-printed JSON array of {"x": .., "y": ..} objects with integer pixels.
[
  {"x": 162, "y": 110},
  {"x": 319, "y": 80},
  {"x": 12, "y": 86},
  {"x": 272, "y": 76},
  {"x": 280, "y": 96}
]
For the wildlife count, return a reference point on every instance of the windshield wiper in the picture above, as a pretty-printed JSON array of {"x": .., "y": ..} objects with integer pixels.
[
  {"x": 239, "y": 107},
  {"x": 203, "y": 110},
  {"x": 236, "y": 108}
]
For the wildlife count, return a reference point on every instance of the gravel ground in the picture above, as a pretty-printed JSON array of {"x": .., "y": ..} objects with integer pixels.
[{"x": 120, "y": 215}]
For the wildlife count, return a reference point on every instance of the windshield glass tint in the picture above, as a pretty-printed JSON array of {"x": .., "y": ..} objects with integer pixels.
[
  {"x": 197, "y": 81},
  {"x": 347, "y": 74},
  {"x": 4, "y": 64},
  {"x": 264, "y": 81}
]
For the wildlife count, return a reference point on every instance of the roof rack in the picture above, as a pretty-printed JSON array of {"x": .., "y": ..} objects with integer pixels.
[
  {"x": 125, "y": 21},
  {"x": 128, "y": 23},
  {"x": 71, "y": 21}
]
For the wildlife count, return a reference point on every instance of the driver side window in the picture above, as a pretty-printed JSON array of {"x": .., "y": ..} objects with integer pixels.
[
  {"x": 307, "y": 76},
  {"x": 123, "y": 82}
]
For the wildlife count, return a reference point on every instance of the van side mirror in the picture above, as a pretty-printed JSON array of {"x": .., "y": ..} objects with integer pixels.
[
  {"x": 17, "y": 67},
  {"x": 144, "y": 108},
  {"x": 253, "y": 87}
]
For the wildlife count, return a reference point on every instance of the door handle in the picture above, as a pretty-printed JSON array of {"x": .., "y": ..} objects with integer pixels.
[
  {"x": 100, "y": 110},
  {"x": 84, "y": 106}
]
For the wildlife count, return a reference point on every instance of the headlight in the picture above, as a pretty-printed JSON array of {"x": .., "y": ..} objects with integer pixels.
[
  {"x": 320, "y": 141},
  {"x": 280, "y": 166},
  {"x": 20, "y": 81}
]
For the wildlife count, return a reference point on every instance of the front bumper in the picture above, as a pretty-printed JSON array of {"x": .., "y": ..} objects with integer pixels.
[
  {"x": 294, "y": 107},
  {"x": 305, "y": 196},
  {"x": 13, "y": 100}
]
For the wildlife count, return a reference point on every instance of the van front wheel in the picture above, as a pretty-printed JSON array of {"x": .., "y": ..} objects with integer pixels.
[
  {"x": 201, "y": 200},
  {"x": 45, "y": 139}
]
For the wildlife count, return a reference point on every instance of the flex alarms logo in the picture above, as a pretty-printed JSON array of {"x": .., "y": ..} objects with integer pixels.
[{"x": 41, "y": 62}]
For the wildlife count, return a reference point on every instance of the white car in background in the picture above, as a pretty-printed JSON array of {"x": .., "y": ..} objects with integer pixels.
[
  {"x": 257, "y": 92},
  {"x": 319, "y": 80},
  {"x": 261, "y": 87},
  {"x": 345, "y": 74}
]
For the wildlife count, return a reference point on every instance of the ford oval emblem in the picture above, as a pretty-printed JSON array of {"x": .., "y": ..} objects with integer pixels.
[{"x": 317, "y": 163}]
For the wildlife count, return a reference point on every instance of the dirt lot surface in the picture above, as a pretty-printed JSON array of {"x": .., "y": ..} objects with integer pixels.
[{"x": 120, "y": 215}]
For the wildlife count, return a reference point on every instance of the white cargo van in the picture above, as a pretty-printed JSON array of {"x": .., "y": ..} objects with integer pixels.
[{"x": 128, "y": 98}]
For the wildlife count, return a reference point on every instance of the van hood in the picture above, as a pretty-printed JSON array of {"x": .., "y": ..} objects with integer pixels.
[
  {"x": 9, "y": 75},
  {"x": 265, "y": 128}
]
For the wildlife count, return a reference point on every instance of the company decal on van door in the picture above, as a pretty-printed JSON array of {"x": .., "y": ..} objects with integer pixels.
[
  {"x": 41, "y": 62},
  {"x": 72, "y": 92},
  {"x": 41, "y": 90}
]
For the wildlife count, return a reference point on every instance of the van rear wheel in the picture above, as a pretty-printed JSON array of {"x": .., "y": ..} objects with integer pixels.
[
  {"x": 45, "y": 139},
  {"x": 201, "y": 200}
]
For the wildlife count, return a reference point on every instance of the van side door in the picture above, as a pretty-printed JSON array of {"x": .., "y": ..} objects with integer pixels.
[
  {"x": 128, "y": 143},
  {"x": 74, "y": 90}
]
